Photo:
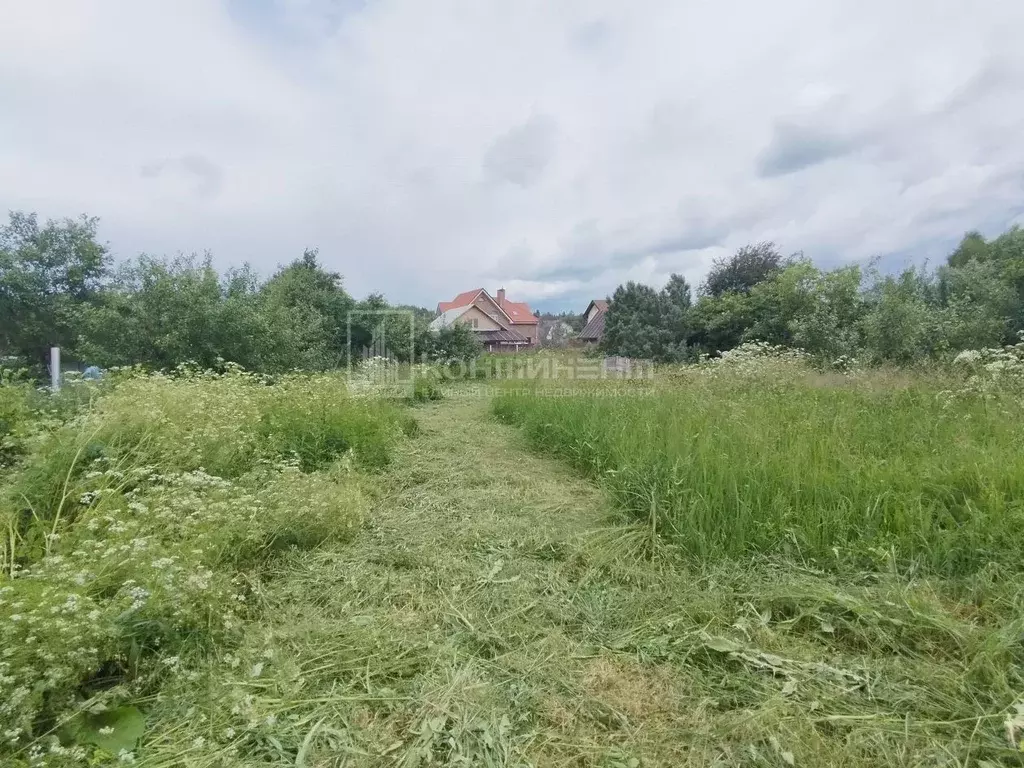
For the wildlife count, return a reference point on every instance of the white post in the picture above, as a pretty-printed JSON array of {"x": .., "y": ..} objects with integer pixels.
[{"x": 55, "y": 369}]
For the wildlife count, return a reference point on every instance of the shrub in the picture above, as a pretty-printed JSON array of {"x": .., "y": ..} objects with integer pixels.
[
  {"x": 426, "y": 388},
  {"x": 15, "y": 413}
]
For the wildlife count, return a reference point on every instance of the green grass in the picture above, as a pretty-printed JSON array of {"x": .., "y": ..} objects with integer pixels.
[
  {"x": 472, "y": 603},
  {"x": 134, "y": 532},
  {"x": 496, "y": 611},
  {"x": 809, "y": 467}
]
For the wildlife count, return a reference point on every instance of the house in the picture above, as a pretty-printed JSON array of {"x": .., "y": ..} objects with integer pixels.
[
  {"x": 500, "y": 324},
  {"x": 593, "y": 322}
]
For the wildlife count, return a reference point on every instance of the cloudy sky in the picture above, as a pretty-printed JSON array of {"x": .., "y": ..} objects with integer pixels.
[{"x": 557, "y": 148}]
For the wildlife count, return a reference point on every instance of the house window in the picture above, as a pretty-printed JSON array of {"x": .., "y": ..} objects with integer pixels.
[{"x": 474, "y": 322}]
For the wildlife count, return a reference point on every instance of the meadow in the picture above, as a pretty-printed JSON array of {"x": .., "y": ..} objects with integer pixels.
[
  {"x": 136, "y": 516},
  {"x": 751, "y": 561},
  {"x": 757, "y": 453}
]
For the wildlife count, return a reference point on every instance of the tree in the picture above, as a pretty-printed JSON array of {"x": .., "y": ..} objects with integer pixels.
[
  {"x": 972, "y": 248},
  {"x": 644, "y": 323},
  {"x": 162, "y": 312},
  {"x": 901, "y": 325},
  {"x": 828, "y": 325},
  {"x": 456, "y": 342},
  {"x": 719, "y": 323},
  {"x": 750, "y": 265},
  {"x": 304, "y": 286},
  {"x": 46, "y": 275}
]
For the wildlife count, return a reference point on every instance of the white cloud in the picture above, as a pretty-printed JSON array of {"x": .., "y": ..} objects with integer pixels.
[{"x": 427, "y": 148}]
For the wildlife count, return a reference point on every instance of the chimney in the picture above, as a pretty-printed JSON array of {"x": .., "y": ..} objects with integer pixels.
[{"x": 501, "y": 296}]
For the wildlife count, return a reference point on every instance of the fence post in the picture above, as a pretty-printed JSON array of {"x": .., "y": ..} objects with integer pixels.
[{"x": 55, "y": 369}]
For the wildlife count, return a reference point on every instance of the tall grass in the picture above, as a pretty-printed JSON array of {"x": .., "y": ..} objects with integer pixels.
[
  {"x": 133, "y": 534},
  {"x": 729, "y": 465}
]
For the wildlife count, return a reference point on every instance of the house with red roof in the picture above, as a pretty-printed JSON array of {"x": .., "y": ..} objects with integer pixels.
[{"x": 500, "y": 324}]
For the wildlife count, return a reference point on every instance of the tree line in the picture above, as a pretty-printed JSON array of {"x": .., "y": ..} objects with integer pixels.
[
  {"x": 60, "y": 287},
  {"x": 974, "y": 300}
]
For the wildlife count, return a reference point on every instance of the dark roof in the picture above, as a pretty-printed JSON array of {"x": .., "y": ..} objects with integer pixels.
[
  {"x": 594, "y": 330},
  {"x": 501, "y": 336}
]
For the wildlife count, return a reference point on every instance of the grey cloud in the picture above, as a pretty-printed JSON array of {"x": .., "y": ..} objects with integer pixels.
[
  {"x": 591, "y": 35},
  {"x": 796, "y": 147},
  {"x": 520, "y": 156},
  {"x": 589, "y": 251},
  {"x": 350, "y": 132},
  {"x": 205, "y": 176}
]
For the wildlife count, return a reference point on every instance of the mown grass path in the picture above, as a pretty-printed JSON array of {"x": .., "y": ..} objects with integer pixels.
[
  {"x": 494, "y": 611},
  {"x": 473, "y": 621}
]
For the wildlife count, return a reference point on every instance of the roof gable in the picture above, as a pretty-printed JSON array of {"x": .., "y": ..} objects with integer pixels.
[
  {"x": 514, "y": 312},
  {"x": 490, "y": 300},
  {"x": 594, "y": 330},
  {"x": 463, "y": 299}
]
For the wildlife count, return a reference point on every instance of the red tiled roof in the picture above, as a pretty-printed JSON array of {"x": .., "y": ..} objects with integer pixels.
[
  {"x": 517, "y": 311},
  {"x": 461, "y": 300}
]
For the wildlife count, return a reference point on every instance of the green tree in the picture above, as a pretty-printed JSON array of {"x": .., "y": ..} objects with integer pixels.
[
  {"x": 972, "y": 248},
  {"x": 739, "y": 273},
  {"x": 900, "y": 324},
  {"x": 47, "y": 273},
  {"x": 456, "y": 342},
  {"x": 719, "y": 323},
  {"x": 306, "y": 288},
  {"x": 644, "y": 323},
  {"x": 160, "y": 313}
]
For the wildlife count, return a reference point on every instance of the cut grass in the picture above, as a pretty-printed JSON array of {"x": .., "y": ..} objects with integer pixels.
[{"x": 495, "y": 611}]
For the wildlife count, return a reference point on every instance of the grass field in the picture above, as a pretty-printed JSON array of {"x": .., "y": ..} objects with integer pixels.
[
  {"x": 248, "y": 572},
  {"x": 866, "y": 468}
]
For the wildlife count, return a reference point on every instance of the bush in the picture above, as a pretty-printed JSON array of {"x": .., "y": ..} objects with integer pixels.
[
  {"x": 426, "y": 388},
  {"x": 15, "y": 415}
]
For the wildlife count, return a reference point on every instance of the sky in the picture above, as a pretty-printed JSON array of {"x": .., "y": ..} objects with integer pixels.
[{"x": 556, "y": 149}]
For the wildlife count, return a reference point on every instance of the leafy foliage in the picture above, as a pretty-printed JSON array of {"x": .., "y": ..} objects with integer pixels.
[
  {"x": 975, "y": 300},
  {"x": 46, "y": 273},
  {"x": 645, "y": 323},
  {"x": 739, "y": 273}
]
